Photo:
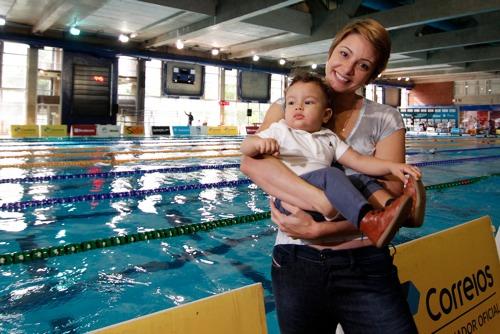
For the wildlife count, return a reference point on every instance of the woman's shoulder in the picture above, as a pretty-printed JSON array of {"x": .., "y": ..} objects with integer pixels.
[
  {"x": 375, "y": 107},
  {"x": 381, "y": 111}
]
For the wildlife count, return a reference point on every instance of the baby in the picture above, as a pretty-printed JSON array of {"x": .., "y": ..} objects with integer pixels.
[{"x": 308, "y": 149}]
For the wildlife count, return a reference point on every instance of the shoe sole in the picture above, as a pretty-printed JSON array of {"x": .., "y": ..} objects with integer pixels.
[
  {"x": 420, "y": 204},
  {"x": 393, "y": 227},
  {"x": 418, "y": 216}
]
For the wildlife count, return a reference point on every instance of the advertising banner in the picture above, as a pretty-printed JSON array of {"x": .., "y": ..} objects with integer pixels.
[
  {"x": 160, "y": 130},
  {"x": 83, "y": 130},
  {"x": 453, "y": 279},
  {"x": 133, "y": 130},
  {"x": 23, "y": 131},
  {"x": 108, "y": 130},
  {"x": 53, "y": 130},
  {"x": 181, "y": 130}
]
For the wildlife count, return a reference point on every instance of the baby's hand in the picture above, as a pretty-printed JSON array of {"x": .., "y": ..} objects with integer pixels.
[
  {"x": 399, "y": 169},
  {"x": 267, "y": 146}
]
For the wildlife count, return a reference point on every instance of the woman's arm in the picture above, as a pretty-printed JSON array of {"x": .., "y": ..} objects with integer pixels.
[
  {"x": 274, "y": 114},
  {"x": 392, "y": 148},
  {"x": 301, "y": 225},
  {"x": 272, "y": 176}
]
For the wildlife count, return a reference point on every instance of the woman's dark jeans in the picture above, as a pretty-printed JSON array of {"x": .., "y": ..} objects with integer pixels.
[{"x": 358, "y": 288}]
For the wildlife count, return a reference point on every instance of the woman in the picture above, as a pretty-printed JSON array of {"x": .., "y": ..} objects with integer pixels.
[{"x": 325, "y": 273}]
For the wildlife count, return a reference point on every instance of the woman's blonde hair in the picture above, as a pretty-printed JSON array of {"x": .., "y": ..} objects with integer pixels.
[{"x": 375, "y": 33}]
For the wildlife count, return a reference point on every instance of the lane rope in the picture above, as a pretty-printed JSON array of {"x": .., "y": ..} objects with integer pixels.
[
  {"x": 72, "y": 248},
  {"x": 84, "y": 246},
  {"x": 22, "y": 205},
  {"x": 180, "y": 169},
  {"x": 184, "y": 169},
  {"x": 86, "y": 163}
]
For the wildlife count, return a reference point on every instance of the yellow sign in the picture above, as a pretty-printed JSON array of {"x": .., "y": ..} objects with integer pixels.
[
  {"x": 222, "y": 130},
  {"x": 238, "y": 311},
  {"x": 229, "y": 130},
  {"x": 53, "y": 130},
  {"x": 214, "y": 130},
  {"x": 23, "y": 131},
  {"x": 133, "y": 130},
  {"x": 453, "y": 279}
]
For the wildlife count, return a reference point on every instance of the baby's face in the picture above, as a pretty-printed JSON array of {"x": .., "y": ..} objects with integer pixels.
[{"x": 305, "y": 107}]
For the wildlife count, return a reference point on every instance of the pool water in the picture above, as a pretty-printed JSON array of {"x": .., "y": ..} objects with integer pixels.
[{"x": 85, "y": 291}]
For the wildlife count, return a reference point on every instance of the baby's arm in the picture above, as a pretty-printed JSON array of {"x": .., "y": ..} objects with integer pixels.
[
  {"x": 377, "y": 167},
  {"x": 254, "y": 145}
]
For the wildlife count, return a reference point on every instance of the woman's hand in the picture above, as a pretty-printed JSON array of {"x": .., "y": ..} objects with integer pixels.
[{"x": 298, "y": 224}]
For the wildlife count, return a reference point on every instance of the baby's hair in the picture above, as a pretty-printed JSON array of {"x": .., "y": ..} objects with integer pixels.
[{"x": 307, "y": 77}]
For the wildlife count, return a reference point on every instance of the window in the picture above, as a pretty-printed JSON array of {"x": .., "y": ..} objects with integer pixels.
[
  {"x": 44, "y": 86},
  {"x": 212, "y": 82},
  {"x": 230, "y": 80},
  {"x": 13, "y": 90},
  {"x": 405, "y": 93},
  {"x": 379, "y": 94},
  {"x": 277, "y": 86},
  {"x": 50, "y": 59}
]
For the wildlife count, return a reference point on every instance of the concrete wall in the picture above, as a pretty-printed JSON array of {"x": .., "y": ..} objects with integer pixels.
[{"x": 441, "y": 93}]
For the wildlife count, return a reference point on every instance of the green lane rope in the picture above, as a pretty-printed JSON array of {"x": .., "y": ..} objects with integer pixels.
[
  {"x": 457, "y": 183},
  {"x": 43, "y": 253}
]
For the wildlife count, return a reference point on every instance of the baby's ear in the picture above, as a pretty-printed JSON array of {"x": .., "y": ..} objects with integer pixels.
[{"x": 328, "y": 114}]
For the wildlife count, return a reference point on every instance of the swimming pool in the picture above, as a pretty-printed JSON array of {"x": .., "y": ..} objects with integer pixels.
[{"x": 59, "y": 197}]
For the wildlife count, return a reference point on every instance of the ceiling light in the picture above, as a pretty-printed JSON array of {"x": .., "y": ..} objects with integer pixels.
[
  {"x": 399, "y": 78},
  {"x": 407, "y": 79},
  {"x": 215, "y": 51},
  {"x": 123, "y": 38},
  {"x": 282, "y": 61},
  {"x": 2, "y": 20},
  {"x": 179, "y": 44},
  {"x": 255, "y": 58},
  {"x": 378, "y": 76},
  {"x": 133, "y": 35},
  {"x": 74, "y": 31},
  {"x": 314, "y": 66}
]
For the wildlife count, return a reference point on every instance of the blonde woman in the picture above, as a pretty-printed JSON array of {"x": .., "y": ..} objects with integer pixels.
[{"x": 328, "y": 273}]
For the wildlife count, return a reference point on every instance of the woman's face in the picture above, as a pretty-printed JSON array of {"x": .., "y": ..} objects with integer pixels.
[{"x": 351, "y": 64}]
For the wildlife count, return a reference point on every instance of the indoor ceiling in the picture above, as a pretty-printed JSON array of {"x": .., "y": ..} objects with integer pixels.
[{"x": 431, "y": 40}]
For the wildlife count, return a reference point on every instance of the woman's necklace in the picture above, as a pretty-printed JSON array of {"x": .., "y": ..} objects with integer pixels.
[{"x": 347, "y": 122}]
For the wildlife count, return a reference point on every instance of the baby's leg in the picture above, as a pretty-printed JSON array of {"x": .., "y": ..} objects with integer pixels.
[
  {"x": 341, "y": 193},
  {"x": 371, "y": 189}
]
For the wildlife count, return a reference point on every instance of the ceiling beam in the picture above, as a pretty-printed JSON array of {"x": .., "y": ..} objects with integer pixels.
[
  {"x": 450, "y": 56},
  {"x": 427, "y": 11},
  {"x": 66, "y": 12},
  {"x": 350, "y": 7},
  {"x": 285, "y": 19},
  {"x": 483, "y": 66},
  {"x": 412, "y": 15},
  {"x": 226, "y": 12},
  {"x": 206, "y": 7},
  {"x": 404, "y": 42},
  {"x": 51, "y": 15}
]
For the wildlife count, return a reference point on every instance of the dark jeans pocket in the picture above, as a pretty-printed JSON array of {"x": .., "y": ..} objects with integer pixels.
[{"x": 279, "y": 257}]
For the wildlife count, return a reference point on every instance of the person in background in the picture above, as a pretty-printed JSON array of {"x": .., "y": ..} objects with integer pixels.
[
  {"x": 335, "y": 276},
  {"x": 190, "y": 118},
  {"x": 308, "y": 149}
]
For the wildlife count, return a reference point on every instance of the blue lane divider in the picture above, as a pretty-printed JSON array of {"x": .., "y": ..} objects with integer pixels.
[
  {"x": 454, "y": 161},
  {"x": 186, "y": 169},
  {"x": 455, "y": 150},
  {"x": 183, "y": 169},
  {"x": 18, "y": 206}
]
